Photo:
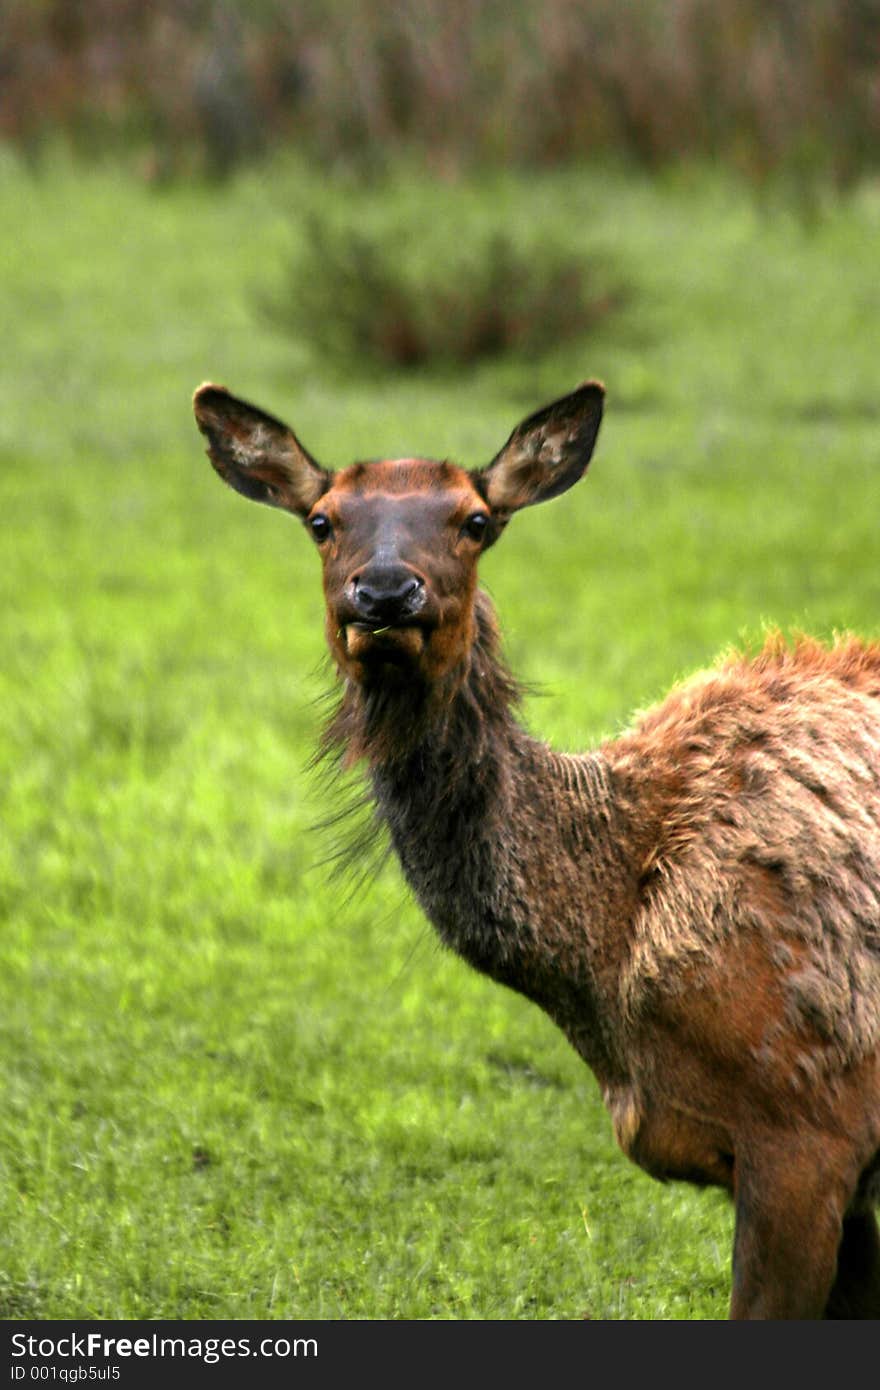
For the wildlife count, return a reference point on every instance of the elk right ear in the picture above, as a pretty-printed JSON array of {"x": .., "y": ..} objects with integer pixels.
[
  {"x": 256, "y": 454},
  {"x": 547, "y": 453}
]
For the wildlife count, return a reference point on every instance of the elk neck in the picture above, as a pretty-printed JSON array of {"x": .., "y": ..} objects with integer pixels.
[{"x": 501, "y": 840}]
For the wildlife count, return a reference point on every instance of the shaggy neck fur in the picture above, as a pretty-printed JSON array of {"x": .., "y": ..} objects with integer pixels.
[{"x": 498, "y": 837}]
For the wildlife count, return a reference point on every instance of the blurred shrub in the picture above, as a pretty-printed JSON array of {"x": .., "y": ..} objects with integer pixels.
[
  {"x": 767, "y": 85},
  {"x": 443, "y": 284}
]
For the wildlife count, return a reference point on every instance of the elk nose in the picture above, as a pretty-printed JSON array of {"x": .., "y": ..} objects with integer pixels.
[{"x": 388, "y": 594}]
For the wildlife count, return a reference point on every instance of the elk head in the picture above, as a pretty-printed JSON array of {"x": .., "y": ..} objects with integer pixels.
[{"x": 399, "y": 540}]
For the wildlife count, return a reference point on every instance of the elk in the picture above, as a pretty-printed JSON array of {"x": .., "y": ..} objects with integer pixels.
[{"x": 696, "y": 902}]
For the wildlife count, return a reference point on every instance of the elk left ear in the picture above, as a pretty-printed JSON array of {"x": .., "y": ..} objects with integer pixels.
[
  {"x": 256, "y": 454},
  {"x": 547, "y": 453}
]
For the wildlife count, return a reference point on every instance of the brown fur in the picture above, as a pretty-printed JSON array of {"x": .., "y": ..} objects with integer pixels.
[
  {"x": 764, "y": 777},
  {"x": 696, "y": 903}
]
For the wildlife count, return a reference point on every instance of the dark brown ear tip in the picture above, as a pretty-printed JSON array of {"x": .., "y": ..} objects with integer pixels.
[
  {"x": 207, "y": 395},
  {"x": 593, "y": 385}
]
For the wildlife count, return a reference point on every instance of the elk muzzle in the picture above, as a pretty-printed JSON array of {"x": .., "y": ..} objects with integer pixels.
[
  {"x": 387, "y": 595},
  {"x": 383, "y": 612}
]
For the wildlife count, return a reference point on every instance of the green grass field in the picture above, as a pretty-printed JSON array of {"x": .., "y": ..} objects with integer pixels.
[{"x": 233, "y": 1087}]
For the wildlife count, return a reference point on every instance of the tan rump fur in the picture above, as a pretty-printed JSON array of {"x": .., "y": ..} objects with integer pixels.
[{"x": 763, "y": 779}]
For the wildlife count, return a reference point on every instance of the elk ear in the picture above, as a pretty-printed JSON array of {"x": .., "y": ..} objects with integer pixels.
[
  {"x": 256, "y": 454},
  {"x": 547, "y": 453}
]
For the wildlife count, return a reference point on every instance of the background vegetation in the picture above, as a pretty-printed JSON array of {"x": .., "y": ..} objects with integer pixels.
[
  {"x": 232, "y": 1088},
  {"x": 769, "y": 85}
]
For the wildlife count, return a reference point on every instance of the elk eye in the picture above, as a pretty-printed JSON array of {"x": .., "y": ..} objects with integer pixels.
[
  {"x": 475, "y": 526},
  {"x": 320, "y": 527}
]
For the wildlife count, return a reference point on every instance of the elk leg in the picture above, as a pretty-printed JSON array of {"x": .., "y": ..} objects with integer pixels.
[
  {"x": 789, "y": 1226},
  {"x": 856, "y": 1289}
]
